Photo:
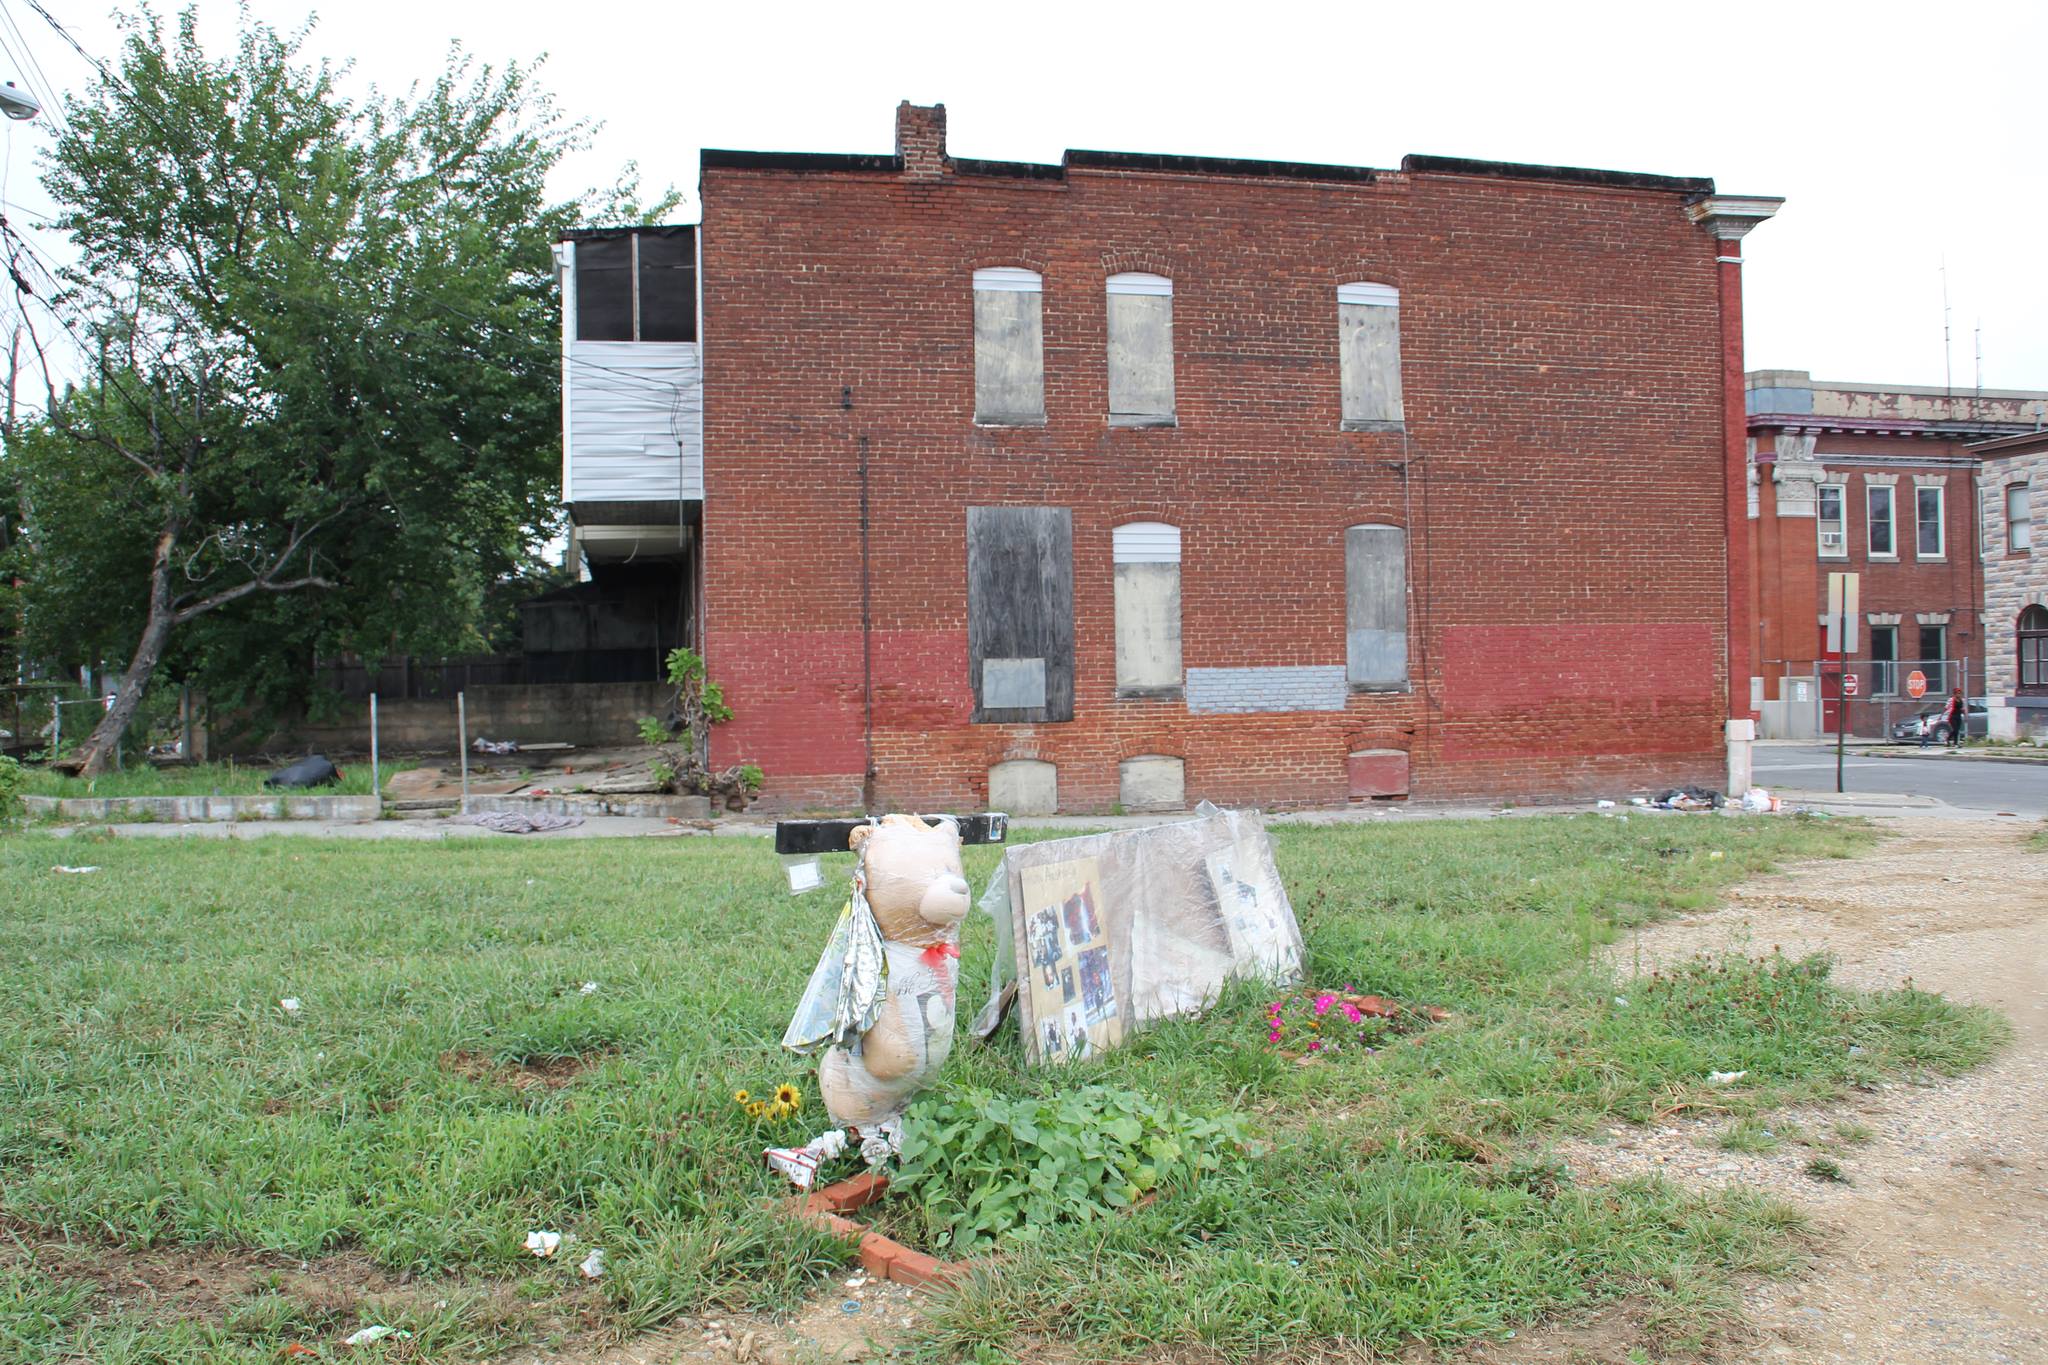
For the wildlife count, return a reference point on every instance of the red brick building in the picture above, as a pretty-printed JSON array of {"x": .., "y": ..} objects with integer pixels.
[
  {"x": 1879, "y": 481},
  {"x": 1138, "y": 480}
]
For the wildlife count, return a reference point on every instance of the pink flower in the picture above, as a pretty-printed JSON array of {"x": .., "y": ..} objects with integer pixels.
[
  {"x": 1274, "y": 1036},
  {"x": 1315, "y": 1047},
  {"x": 1352, "y": 1012},
  {"x": 1323, "y": 1003}
]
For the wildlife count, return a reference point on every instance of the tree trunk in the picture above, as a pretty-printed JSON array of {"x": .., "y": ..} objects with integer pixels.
[{"x": 94, "y": 756}]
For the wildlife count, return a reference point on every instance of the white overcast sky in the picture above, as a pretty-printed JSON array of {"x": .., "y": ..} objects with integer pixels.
[{"x": 1901, "y": 135}]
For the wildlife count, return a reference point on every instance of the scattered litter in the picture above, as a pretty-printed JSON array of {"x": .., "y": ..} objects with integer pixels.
[
  {"x": 1857, "y": 1050},
  {"x": 804, "y": 875},
  {"x": 1639, "y": 800},
  {"x": 312, "y": 771},
  {"x": 1688, "y": 798},
  {"x": 587, "y": 988},
  {"x": 850, "y": 1306},
  {"x": 374, "y": 1334},
  {"x": 1621, "y": 1001},
  {"x": 295, "y": 1350},
  {"x": 495, "y": 746},
  {"x": 593, "y": 1264},
  {"x": 512, "y": 822},
  {"x": 60, "y": 867},
  {"x": 543, "y": 1244},
  {"x": 801, "y": 1164},
  {"x": 290, "y": 1004},
  {"x": 1603, "y": 805},
  {"x": 1725, "y": 1077},
  {"x": 1757, "y": 801},
  {"x": 1717, "y": 854}
]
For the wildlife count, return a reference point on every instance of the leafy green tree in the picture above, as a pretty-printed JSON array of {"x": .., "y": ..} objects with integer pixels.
[{"x": 327, "y": 334}]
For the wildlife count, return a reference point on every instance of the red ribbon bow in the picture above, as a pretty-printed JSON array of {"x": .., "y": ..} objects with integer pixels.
[{"x": 936, "y": 955}]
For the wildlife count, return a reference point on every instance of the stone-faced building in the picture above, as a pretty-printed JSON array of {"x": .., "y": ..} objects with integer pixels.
[
  {"x": 1136, "y": 480},
  {"x": 1877, "y": 480},
  {"x": 2012, "y": 482}
]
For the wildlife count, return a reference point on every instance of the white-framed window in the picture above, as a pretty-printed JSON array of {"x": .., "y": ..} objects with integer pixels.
[
  {"x": 1834, "y": 521},
  {"x": 1009, "y": 347},
  {"x": 1376, "y": 607},
  {"x": 1929, "y": 522},
  {"x": 1884, "y": 542},
  {"x": 1884, "y": 661},
  {"x": 1140, "y": 350},
  {"x": 1147, "y": 555},
  {"x": 2019, "y": 520},
  {"x": 1369, "y": 355}
]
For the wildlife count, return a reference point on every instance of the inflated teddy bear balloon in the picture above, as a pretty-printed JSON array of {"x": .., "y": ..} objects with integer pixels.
[{"x": 880, "y": 1003}]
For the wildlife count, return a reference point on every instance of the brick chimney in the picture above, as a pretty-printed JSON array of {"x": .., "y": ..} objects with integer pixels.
[{"x": 921, "y": 140}]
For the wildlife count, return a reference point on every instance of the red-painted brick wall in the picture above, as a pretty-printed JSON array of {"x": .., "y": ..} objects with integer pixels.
[{"x": 1565, "y": 502}]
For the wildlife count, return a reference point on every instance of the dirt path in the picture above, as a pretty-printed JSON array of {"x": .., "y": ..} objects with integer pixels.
[{"x": 1936, "y": 1250}]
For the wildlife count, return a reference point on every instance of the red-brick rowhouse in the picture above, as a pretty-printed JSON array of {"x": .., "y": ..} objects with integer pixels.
[{"x": 1138, "y": 480}]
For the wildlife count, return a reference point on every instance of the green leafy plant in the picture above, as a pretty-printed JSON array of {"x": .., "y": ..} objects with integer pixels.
[
  {"x": 981, "y": 1166},
  {"x": 11, "y": 780},
  {"x": 684, "y": 737}
]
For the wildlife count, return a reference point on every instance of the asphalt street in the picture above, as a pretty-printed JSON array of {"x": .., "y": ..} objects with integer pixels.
[{"x": 1971, "y": 784}]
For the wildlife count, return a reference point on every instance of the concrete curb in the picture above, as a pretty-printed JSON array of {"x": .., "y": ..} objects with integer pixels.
[
  {"x": 638, "y": 807},
  {"x": 1963, "y": 755},
  {"x": 187, "y": 809}
]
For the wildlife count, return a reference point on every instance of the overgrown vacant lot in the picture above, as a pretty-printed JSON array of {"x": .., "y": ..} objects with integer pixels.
[{"x": 448, "y": 1084}]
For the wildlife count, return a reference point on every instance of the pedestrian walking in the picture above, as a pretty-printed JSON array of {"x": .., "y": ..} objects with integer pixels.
[{"x": 1956, "y": 715}]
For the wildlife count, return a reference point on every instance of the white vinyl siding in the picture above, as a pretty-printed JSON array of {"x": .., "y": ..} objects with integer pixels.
[
  {"x": 636, "y": 421},
  {"x": 1369, "y": 351}
]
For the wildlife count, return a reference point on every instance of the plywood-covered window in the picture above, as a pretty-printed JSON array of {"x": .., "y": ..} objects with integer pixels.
[
  {"x": 1009, "y": 347},
  {"x": 1376, "y": 607},
  {"x": 1147, "y": 555},
  {"x": 1140, "y": 350},
  {"x": 1020, "y": 613},
  {"x": 1369, "y": 350}
]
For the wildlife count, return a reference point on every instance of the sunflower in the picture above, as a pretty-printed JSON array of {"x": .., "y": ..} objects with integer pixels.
[
  {"x": 756, "y": 1108},
  {"x": 789, "y": 1097},
  {"x": 778, "y": 1111},
  {"x": 740, "y": 1096}
]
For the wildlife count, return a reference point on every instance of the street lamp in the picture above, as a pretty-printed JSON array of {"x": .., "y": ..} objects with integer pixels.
[{"x": 18, "y": 103}]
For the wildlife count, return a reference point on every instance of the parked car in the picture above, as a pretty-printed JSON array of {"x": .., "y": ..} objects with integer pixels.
[{"x": 1976, "y": 722}]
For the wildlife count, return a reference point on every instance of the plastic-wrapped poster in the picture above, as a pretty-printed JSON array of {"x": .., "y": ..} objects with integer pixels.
[{"x": 1066, "y": 966}]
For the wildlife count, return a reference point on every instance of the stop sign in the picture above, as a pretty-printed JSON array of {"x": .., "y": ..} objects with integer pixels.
[
  {"x": 1916, "y": 684},
  {"x": 1850, "y": 687}
]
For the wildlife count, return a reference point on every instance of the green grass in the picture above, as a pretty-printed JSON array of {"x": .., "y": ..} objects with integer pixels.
[
  {"x": 197, "y": 779},
  {"x": 153, "y": 1096}
]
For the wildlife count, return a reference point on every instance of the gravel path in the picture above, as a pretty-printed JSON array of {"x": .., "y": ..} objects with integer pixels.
[{"x": 1936, "y": 1250}]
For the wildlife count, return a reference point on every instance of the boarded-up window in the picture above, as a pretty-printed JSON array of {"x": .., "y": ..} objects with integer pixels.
[
  {"x": 668, "y": 285},
  {"x": 1369, "y": 344},
  {"x": 1147, "y": 608},
  {"x": 1020, "y": 613},
  {"x": 1376, "y": 606},
  {"x": 1009, "y": 348},
  {"x": 1140, "y": 350}
]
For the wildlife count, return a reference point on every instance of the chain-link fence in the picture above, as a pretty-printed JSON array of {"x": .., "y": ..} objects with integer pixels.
[{"x": 1882, "y": 698}]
